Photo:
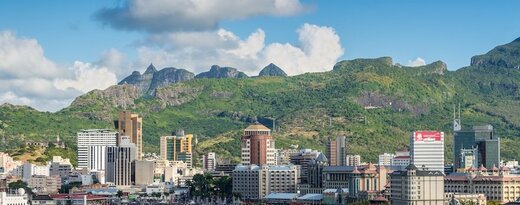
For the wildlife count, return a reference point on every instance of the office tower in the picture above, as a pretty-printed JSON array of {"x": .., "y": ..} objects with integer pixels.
[
  {"x": 254, "y": 182},
  {"x": 386, "y": 159},
  {"x": 481, "y": 138},
  {"x": 337, "y": 151},
  {"x": 209, "y": 161},
  {"x": 353, "y": 160},
  {"x": 302, "y": 159},
  {"x": 92, "y": 146},
  {"x": 417, "y": 186},
  {"x": 119, "y": 161},
  {"x": 257, "y": 146},
  {"x": 130, "y": 124},
  {"x": 427, "y": 149},
  {"x": 177, "y": 148},
  {"x": 314, "y": 173}
]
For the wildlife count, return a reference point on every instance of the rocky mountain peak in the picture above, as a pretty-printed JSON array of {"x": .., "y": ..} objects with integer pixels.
[
  {"x": 221, "y": 72},
  {"x": 152, "y": 79},
  {"x": 151, "y": 69},
  {"x": 272, "y": 70}
]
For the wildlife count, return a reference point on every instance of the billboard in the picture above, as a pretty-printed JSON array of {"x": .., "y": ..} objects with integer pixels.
[{"x": 427, "y": 136}]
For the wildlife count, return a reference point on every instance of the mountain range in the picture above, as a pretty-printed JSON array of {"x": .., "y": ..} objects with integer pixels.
[{"x": 374, "y": 102}]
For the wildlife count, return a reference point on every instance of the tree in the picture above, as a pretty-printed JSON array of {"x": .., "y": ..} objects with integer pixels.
[
  {"x": 201, "y": 185},
  {"x": 223, "y": 187},
  {"x": 19, "y": 184}
]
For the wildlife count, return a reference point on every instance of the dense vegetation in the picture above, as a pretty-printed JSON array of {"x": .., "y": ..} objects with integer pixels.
[{"x": 372, "y": 101}]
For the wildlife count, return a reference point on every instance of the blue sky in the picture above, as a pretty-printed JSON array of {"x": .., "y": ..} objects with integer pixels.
[
  {"x": 64, "y": 46},
  {"x": 451, "y": 31}
]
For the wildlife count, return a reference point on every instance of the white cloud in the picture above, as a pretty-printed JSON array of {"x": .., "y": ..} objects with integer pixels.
[
  {"x": 319, "y": 49},
  {"x": 23, "y": 57},
  {"x": 116, "y": 61},
  {"x": 416, "y": 62},
  {"x": 28, "y": 77},
  {"x": 190, "y": 15},
  {"x": 88, "y": 77}
]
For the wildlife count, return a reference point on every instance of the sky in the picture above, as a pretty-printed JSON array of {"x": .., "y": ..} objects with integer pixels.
[{"x": 54, "y": 51}]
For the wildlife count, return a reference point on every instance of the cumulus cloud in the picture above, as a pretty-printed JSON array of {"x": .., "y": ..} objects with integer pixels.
[
  {"x": 23, "y": 57},
  {"x": 318, "y": 50},
  {"x": 189, "y": 15},
  {"x": 116, "y": 61},
  {"x": 87, "y": 78},
  {"x": 416, "y": 62},
  {"x": 28, "y": 77}
]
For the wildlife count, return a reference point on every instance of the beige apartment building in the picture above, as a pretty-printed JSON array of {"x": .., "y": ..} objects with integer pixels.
[
  {"x": 417, "y": 186},
  {"x": 44, "y": 184}
]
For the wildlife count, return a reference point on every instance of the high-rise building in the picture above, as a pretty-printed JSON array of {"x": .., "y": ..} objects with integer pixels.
[
  {"x": 209, "y": 161},
  {"x": 255, "y": 182},
  {"x": 482, "y": 138},
  {"x": 131, "y": 125},
  {"x": 177, "y": 148},
  {"x": 353, "y": 160},
  {"x": 417, "y": 186},
  {"x": 427, "y": 149},
  {"x": 337, "y": 151},
  {"x": 302, "y": 159},
  {"x": 119, "y": 161},
  {"x": 257, "y": 146},
  {"x": 91, "y": 147}
]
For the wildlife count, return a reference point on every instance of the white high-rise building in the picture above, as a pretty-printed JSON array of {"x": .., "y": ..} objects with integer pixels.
[
  {"x": 92, "y": 147},
  {"x": 427, "y": 149},
  {"x": 209, "y": 161}
]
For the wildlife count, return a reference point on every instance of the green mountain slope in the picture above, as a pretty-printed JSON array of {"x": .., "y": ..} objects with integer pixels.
[{"x": 372, "y": 101}]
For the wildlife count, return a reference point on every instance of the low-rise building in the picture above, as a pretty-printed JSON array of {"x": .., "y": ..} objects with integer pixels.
[
  {"x": 496, "y": 184},
  {"x": 44, "y": 184},
  {"x": 60, "y": 167},
  {"x": 19, "y": 198},
  {"x": 254, "y": 182},
  {"x": 417, "y": 186},
  {"x": 466, "y": 198},
  {"x": 144, "y": 172}
]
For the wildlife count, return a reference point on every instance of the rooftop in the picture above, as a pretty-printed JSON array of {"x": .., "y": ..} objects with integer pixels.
[
  {"x": 281, "y": 196},
  {"x": 257, "y": 127}
]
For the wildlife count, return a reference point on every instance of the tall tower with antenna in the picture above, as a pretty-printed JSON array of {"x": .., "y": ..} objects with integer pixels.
[{"x": 456, "y": 119}]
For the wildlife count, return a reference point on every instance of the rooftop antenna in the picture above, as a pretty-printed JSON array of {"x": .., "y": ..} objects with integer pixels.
[{"x": 456, "y": 121}]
